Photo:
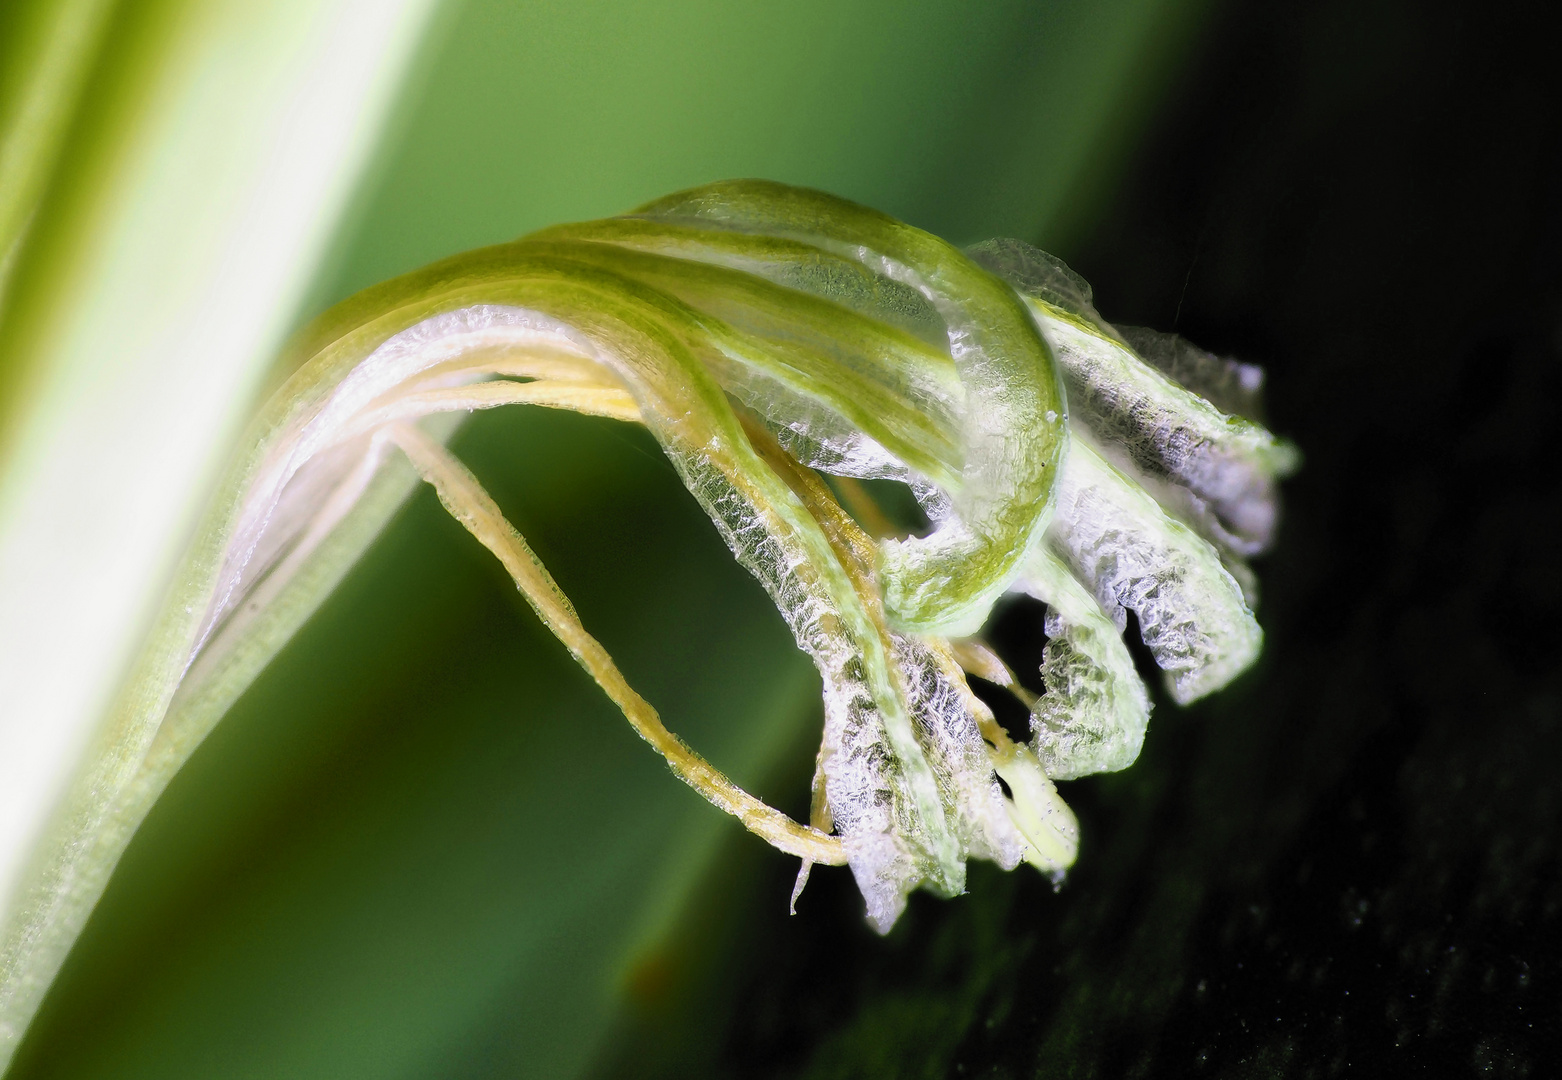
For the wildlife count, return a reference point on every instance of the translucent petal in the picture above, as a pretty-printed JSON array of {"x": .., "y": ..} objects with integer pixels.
[
  {"x": 813, "y": 433},
  {"x": 1231, "y": 386},
  {"x": 869, "y": 779},
  {"x": 1093, "y": 714},
  {"x": 1118, "y": 540},
  {"x": 948, "y": 730},
  {"x": 1153, "y": 426}
]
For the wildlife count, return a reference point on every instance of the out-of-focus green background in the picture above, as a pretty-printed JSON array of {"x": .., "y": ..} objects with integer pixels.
[{"x": 423, "y": 844}]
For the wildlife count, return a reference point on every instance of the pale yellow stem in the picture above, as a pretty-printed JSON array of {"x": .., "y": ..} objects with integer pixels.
[
  {"x": 595, "y": 400},
  {"x": 469, "y": 504},
  {"x": 979, "y": 660},
  {"x": 864, "y": 507},
  {"x": 533, "y": 361}
]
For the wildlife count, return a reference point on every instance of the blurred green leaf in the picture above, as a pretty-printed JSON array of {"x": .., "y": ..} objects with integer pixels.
[{"x": 171, "y": 171}]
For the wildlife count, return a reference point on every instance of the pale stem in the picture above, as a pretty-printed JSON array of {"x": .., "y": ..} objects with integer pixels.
[
  {"x": 469, "y": 504},
  {"x": 613, "y": 402},
  {"x": 979, "y": 660}
]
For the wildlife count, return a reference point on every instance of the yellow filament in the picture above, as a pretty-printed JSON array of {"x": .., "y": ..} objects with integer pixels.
[
  {"x": 977, "y": 659},
  {"x": 863, "y": 507},
  {"x": 593, "y": 399},
  {"x": 469, "y": 504}
]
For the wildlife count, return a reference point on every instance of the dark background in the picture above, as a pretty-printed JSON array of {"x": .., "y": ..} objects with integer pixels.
[{"x": 1348, "y": 863}]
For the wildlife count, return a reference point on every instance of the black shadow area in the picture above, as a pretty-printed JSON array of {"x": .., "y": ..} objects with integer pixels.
[{"x": 1347, "y": 864}]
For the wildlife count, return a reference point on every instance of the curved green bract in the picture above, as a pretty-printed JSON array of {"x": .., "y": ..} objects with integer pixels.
[
  {"x": 872, "y": 378},
  {"x": 1012, "y": 428}
]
